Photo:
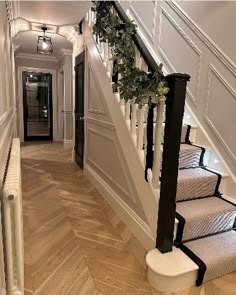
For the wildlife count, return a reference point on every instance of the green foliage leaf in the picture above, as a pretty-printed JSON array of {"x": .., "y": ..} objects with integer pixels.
[{"x": 134, "y": 83}]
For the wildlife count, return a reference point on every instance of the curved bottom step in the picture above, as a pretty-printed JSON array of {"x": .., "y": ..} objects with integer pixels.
[
  {"x": 217, "y": 252},
  {"x": 174, "y": 271}
]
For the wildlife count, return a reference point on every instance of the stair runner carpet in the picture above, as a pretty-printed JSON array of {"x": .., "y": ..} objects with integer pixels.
[{"x": 207, "y": 222}]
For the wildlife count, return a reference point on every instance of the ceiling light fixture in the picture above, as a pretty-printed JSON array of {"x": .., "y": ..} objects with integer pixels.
[{"x": 44, "y": 45}]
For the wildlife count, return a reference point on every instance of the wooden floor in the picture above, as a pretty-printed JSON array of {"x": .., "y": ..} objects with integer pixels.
[{"x": 74, "y": 243}]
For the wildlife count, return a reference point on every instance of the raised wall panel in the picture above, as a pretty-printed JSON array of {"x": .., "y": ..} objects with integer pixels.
[
  {"x": 181, "y": 54},
  {"x": 96, "y": 104},
  {"x": 104, "y": 158},
  {"x": 145, "y": 13},
  {"x": 221, "y": 109}
]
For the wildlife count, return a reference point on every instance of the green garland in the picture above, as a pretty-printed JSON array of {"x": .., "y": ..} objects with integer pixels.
[{"x": 134, "y": 83}]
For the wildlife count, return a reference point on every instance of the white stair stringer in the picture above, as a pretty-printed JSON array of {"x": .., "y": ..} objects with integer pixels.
[{"x": 132, "y": 161}]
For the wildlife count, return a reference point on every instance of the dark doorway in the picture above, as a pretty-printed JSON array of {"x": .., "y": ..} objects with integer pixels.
[
  {"x": 79, "y": 109},
  {"x": 37, "y": 100}
]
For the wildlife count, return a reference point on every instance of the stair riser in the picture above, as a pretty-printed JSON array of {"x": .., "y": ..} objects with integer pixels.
[
  {"x": 207, "y": 226},
  {"x": 189, "y": 159},
  {"x": 196, "y": 188}
]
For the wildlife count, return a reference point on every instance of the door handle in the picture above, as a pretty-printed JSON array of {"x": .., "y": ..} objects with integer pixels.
[{"x": 81, "y": 118}]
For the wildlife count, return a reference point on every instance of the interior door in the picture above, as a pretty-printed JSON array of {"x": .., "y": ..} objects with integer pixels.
[
  {"x": 37, "y": 100},
  {"x": 79, "y": 109}
]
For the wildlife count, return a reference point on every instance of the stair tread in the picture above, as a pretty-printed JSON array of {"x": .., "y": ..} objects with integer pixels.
[
  {"x": 196, "y": 182},
  {"x": 206, "y": 216},
  {"x": 218, "y": 252}
]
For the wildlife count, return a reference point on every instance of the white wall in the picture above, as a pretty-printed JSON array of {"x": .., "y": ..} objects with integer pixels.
[
  {"x": 197, "y": 38},
  {"x": 65, "y": 96},
  {"x": 7, "y": 109}
]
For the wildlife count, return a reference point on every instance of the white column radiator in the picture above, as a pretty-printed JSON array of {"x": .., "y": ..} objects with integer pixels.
[{"x": 13, "y": 223}]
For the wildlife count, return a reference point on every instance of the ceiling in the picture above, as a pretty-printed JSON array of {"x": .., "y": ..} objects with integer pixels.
[
  {"x": 27, "y": 42},
  {"x": 58, "y": 13},
  {"x": 53, "y": 14}
]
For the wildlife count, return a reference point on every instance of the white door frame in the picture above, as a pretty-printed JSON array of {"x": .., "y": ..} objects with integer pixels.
[
  {"x": 54, "y": 100},
  {"x": 61, "y": 102}
]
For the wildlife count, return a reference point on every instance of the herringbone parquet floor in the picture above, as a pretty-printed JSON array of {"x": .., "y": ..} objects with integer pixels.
[{"x": 74, "y": 243}]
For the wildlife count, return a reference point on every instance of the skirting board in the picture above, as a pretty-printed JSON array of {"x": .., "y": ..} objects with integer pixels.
[
  {"x": 133, "y": 222},
  {"x": 68, "y": 142}
]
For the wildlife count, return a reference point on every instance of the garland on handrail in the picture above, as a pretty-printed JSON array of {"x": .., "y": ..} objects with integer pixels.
[{"x": 133, "y": 82}]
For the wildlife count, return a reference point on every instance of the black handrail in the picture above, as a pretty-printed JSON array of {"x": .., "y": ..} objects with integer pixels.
[{"x": 152, "y": 65}]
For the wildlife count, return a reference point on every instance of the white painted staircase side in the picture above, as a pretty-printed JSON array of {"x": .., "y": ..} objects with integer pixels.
[{"x": 143, "y": 228}]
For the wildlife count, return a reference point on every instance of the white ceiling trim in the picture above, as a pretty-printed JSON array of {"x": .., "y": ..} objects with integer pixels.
[
  {"x": 36, "y": 57},
  {"x": 62, "y": 53}
]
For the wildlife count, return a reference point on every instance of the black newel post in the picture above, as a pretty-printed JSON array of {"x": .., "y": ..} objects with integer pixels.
[{"x": 173, "y": 125}]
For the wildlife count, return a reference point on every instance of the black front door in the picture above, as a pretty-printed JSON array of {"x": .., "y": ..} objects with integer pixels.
[
  {"x": 79, "y": 109},
  {"x": 37, "y": 100}
]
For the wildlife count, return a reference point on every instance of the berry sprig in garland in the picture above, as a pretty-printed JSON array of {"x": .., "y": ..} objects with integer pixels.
[{"x": 134, "y": 84}]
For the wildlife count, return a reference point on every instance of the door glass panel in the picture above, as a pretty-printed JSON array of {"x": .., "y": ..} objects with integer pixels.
[{"x": 37, "y": 104}]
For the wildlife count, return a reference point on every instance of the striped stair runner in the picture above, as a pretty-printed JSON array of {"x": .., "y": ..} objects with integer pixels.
[{"x": 207, "y": 222}]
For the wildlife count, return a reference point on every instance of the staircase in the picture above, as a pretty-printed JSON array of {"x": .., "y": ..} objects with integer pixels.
[{"x": 205, "y": 219}]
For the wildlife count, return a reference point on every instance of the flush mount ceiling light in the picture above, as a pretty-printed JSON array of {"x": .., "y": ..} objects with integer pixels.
[{"x": 44, "y": 45}]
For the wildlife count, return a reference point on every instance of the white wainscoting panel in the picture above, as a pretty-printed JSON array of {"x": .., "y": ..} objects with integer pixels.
[
  {"x": 100, "y": 159},
  {"x": 95, "y": 101},
  {"x": 221, "y": 99},
  {"x": 144, "y": 13},
  {"x": 179, "y": 51}
]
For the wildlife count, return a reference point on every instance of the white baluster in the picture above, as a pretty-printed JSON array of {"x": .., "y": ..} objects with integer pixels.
[
  {"x": 140, "y": 128},
  {"x": 99, "y": 45},
  {"x": 145, "y": 145},
  {"x": 122, "y": 106},
  {"x": 127, "y": 111},
  {"x": 90, "y": 18},
  {"x": 138, "y": 59},
  {"x": 118, "y": 96},
  {"x": 109, "y": 63},
  {"x": 134, "y": 119},
  {"x": 144, "y": 66},
  {"x": 157, "y": 145},
  {"x": 103, "y": 50},
  {"x": 105, "y": 53}
]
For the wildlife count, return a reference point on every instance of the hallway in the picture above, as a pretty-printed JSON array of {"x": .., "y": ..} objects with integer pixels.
[
  {"x": 73, "y": 243},
  {"x": 71, "y": 246}
]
